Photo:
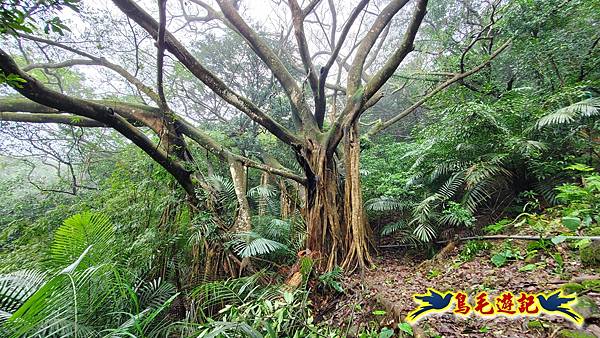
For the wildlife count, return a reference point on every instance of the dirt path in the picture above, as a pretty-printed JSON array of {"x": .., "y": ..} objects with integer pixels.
[{"x": 390, "y": 286}]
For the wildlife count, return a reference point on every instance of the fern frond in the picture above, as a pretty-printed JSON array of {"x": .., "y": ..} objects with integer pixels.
[
  {"x": 483, "y": 171},
  {"x": 223, "y": 190},
  {"x": 558, "y": 117},
  {"x": 263, "y": 195},
  {"x": 155, "y": 293},
  {"x": 79, "y": 232},
  {"x": 451, "y": 186},
  {"x": 585, "y": 108},
  {"x": 546, "y": 188},
  {"x": 385, "y": 203},
  {"x": 279, "y": 229},
  {"x": 232, "y": 292},
  {"x": 262, "y": 191},
  {"x": 424, "y": 232},
  {"x": 58, "y": 306},
  {"x": 478, "y": 194},
  {"x": 15, "y": 288},
  {"x": 250, "y": 244},
  {"x": 445, "y": 169},
  {"x": 392, "y": 227}
]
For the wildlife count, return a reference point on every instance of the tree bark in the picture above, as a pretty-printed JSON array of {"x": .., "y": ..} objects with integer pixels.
[
  {"x": 337, "y": 228},
  {"x": 238, "y": 176},
  {"x": 321, "y": 212},
  {"x": 358, "y": 231},
  {"x": 262, "y": 200}
]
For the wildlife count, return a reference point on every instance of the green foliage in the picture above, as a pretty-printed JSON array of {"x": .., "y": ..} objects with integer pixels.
[
  {"x": 12, "y": 80},
  {"x": 83, "y": 295},
  {"x": 406, "y": 328},
  {"x": 506, "y": 253},
  {"x": 473, "y": 248},
  {"x": 290, "y": 233},
  {"x": 248, "y": 308},
  {"x": 497, "y": 227},
  {"x": 332, "y": 278},
  {"x": 456, "y": 215},
  {"x": 582, "y": 202},
  {"x": 483, "y": 151},
  {"x": 381, "y": 175},
  {"x": 15, "y": 288},
  {"x": 232, "y": 292},
  {"x": 286, "y": 315},
  {"x": 250, "y": 244},
  {"x": 20, "y": 15},
  {"x": 79, "y": 232},
  {"x": 585, "y": 108}
]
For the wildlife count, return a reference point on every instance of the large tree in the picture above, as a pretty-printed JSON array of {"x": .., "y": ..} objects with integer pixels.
[{"x": 326, "y": 93}]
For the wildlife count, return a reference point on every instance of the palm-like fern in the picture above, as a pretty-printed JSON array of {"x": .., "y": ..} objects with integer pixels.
[
  {"x": 79, "y": 232},
  {"x": 386, "y": 203},
  {"x": 56, "y": 308},
  {"x": 231, "y": 292},
  {"x": 264, "y": 196},
  {"x": 585, "y": 108},
  {"x": 222, "y": 190},
  {"x": 155, "y": 293},
  {"x": 472, "y": 183},
  {"x": 84, "y": 298},
  {"x": 15, "y": 288},
  {"x": 250, "y": 244}
]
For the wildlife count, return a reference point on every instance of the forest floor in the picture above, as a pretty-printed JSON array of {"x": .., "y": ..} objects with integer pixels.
[{"x": 383, "y": 296}]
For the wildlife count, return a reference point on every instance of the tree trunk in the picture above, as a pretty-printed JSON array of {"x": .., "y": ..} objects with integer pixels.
[
  {"x": 337, "y": 229},
  {"x": 290, "y": 199},
  {"x": 262, "y": 200},
  {"x": 358, "y": 232},
  {"x": 324, "y": 212},
  {"x": 238, "y": 176}
]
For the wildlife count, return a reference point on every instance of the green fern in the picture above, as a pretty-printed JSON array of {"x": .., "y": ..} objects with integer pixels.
[
  {"x": 250, "y": 244},
  {"x": 424, "y": 232},
  {"x": 15, "y": 288},
  {"x": 155, "y": 293},
  {"x": 223, "y": 190},
  {"x": 585, "y": 108},
  {"x": 79, "y": 232},
  {"x": 385, "y": 203},
  {"x": 231, "y": 292}
]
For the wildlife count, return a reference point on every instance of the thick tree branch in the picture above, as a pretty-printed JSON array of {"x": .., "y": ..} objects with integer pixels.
[
  {"x": 367, "y": 43},
  {"x": 320, "y": 105},
  {"x": 357, "y": 99},
  {"x": 25, "y": 110},
  {"x": 160, "y": 53},
  {"x": 72, "y": 120},
  {"x": 110, "y": 116},
  {"x": 390, "y": 66},
  {"x": 62, "y": 64},
  {"x": 136, "y": 114},
  {"x": 217, "y": 149},
  {"x": 310, "y": 7},
  {"x": 266, "y": 54},
  {"x": 143, "y": 19},
  {"x": 375, "y": 53},
  {"x": 298, "y": 22},
  {"x": 458, "y": 77}
]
